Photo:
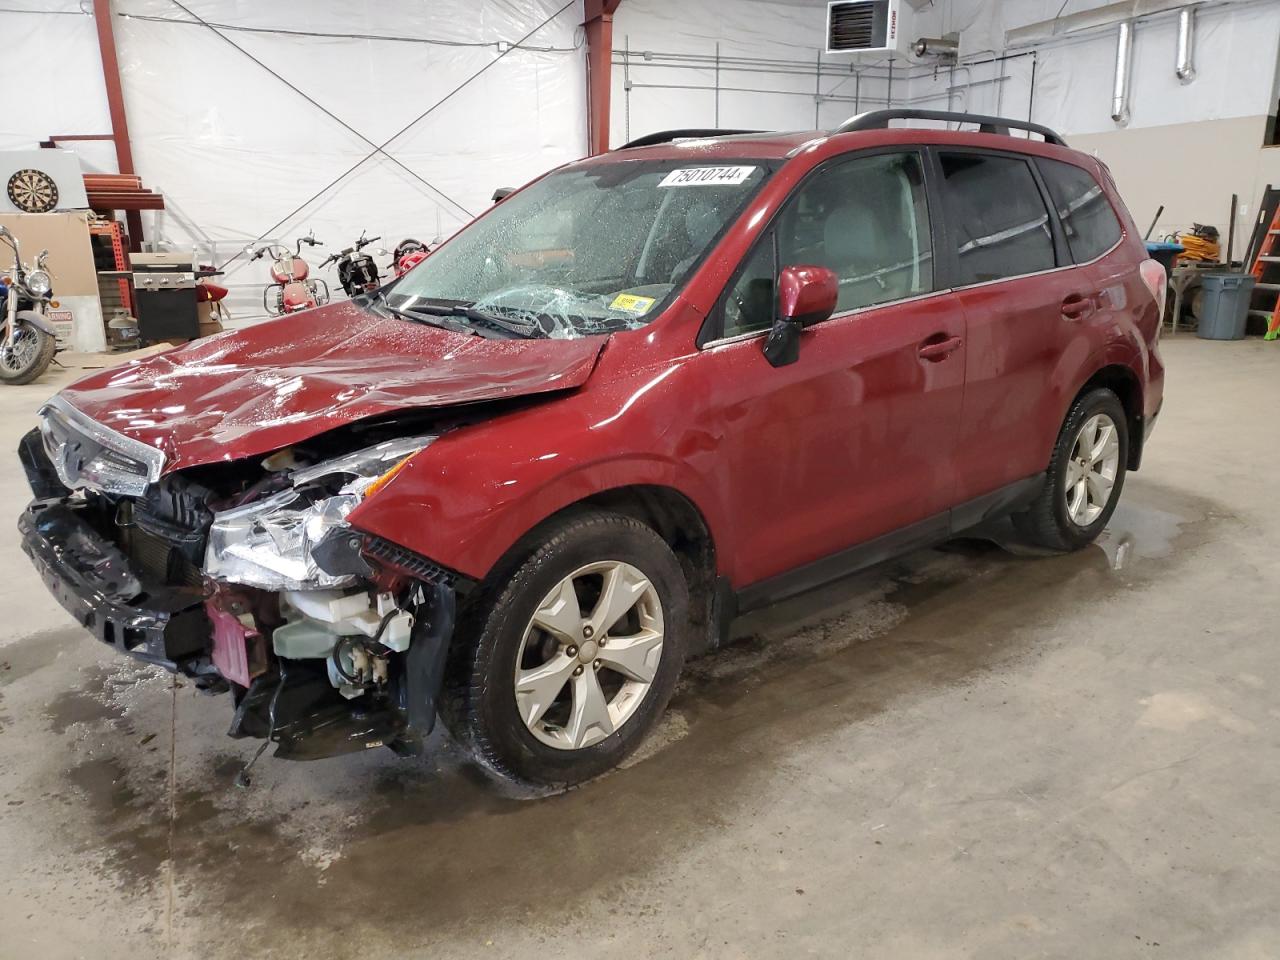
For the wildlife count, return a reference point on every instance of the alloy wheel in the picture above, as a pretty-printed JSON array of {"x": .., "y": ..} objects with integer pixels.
[
  {"x": 1091, "y": 470},
  {"x": 589, "y": 655}
]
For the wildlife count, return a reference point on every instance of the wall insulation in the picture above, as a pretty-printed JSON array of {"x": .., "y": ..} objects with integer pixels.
[
  {"x": 1186, "y": 145},
  {"x": 235, "y": 151},
  {"x": 239, "y": 155},
  {"x": 749, "y": 64}
]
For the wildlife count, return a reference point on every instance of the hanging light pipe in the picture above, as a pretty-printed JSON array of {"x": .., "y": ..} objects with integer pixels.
[
  {"x": 1186, "y": 68},
  {"x": 1124, "y": 58}
]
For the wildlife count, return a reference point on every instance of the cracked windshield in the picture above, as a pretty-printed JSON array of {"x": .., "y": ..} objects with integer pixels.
[{"x": 587, "y": 251}]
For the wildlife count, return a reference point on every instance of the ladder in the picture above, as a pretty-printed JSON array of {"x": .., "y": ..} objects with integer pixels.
[{"x": 1266, "y": 273}]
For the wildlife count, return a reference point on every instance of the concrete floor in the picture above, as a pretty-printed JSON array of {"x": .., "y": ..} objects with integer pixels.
[{"x": 966, "y": 753}]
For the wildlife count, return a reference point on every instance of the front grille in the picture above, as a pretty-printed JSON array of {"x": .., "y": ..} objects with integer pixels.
[
  {"x": 89, "y": 455},
  {"x": 406, "y": 561},
  {"x": 158, "y": 559},
  {"x": 165, "y": 530}
]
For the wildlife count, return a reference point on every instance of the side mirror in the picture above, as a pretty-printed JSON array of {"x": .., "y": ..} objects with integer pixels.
[{"x": 806, "y": 295}]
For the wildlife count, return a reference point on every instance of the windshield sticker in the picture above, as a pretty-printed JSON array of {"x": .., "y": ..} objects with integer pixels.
[
  {"x": 631, "y": 303},
  {"x": 706, "y": 176}
]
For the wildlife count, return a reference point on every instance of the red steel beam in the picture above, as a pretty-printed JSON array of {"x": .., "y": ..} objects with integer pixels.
[
  {"x": 115, "y": 104},
  {"x": 599, "y": 30}
]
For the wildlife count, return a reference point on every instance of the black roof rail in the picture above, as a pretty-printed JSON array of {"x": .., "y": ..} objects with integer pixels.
[
  {"x": 878, "y": 119},
  {"x": 695, "y": 133}
]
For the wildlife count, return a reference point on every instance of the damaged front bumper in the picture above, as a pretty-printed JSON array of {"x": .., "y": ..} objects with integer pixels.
[
  {"x": 94, "y": 582},
  {"x": 291, "y": 702}
]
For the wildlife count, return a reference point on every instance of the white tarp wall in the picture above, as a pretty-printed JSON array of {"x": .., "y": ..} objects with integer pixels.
[
  {"x": 745, "y": 64},
  {"x": 1236, "y": 49},
  {"x": 51, "y": 74},
  {"x": 235, "y": 151}
]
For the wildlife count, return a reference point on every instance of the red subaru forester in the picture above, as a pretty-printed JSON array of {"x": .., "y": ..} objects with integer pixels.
[{"x": 647, "y": 392}]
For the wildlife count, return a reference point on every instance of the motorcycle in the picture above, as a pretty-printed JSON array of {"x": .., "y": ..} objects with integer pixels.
[
  {"x": 407, "y": 255},
  {"x": 356, "y": 271},
  {"x": 30, "y": 339},
  {"x": 292, "y": 289}
]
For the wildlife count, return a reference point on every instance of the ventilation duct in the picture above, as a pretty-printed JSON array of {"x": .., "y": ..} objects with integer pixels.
[
  {"x": 941, "y": 48},
  {"x": 1124, "y": 58},
  {"x": 1186, "y": 68}
]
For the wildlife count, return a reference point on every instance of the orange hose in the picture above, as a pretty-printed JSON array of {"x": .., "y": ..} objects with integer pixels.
[{"x": 1198, "y": 248}]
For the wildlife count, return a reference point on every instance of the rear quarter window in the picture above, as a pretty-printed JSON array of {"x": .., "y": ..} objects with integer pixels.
[
  {"x": 1086, "y": 215},
  {"x": 999, "y": 221}
]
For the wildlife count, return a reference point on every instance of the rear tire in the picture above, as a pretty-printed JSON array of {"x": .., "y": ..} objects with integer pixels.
[
  {"x": 537, "y": 693},
  {"x": 1085, "y": 476},
  {"x": 31, "y": 355}
]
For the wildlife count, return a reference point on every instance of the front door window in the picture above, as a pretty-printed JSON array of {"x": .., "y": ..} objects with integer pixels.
[{"x": 865, "y": 218}]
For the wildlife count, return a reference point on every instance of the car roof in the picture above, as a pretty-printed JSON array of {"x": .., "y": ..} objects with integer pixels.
[
  {"x": 760, "y": 146},
  {"x": 776, "y": 145}
]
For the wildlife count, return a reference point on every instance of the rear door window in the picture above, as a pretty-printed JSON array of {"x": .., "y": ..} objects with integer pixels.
[
  {"x": 1083, "y": 209},
  {"x": 999, "y": 223}
]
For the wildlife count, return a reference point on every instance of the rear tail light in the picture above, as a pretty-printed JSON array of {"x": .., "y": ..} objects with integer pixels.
[{"x": 1157, "y": 282}]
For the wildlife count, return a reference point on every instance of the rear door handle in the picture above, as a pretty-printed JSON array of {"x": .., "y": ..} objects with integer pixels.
[
  {"x": 1077, "y": 307},
  {"x": 935, "y": 350}
]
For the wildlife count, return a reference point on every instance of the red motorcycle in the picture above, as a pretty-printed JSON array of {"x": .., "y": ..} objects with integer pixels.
[
  {"x": 291, "y": 289},
  {"x": 407, "y": 255}
]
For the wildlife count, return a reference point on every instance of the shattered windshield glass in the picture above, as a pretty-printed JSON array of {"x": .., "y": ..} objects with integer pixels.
[{"x": 586, "y": 251}]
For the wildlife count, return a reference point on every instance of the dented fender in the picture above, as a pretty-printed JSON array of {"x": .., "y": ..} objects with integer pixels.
[{"x": 465, "y": 500}]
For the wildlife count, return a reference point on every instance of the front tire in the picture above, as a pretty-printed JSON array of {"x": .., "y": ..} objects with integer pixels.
[
  {"x": 566, "y": 664},
  {"x": 29, "y": 355},
  {"x": 1085, "y": 476}
]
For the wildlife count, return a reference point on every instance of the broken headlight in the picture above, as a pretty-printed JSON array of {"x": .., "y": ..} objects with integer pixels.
[{"x": 269, "y": 543}]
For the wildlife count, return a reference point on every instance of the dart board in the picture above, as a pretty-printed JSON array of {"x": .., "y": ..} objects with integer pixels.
[{"x": 33, "y": 191}]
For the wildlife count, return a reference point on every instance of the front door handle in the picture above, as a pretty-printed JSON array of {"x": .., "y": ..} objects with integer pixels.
[
  {"x": 935, "y": 350},
  {"x": 1077, "y": 307}
]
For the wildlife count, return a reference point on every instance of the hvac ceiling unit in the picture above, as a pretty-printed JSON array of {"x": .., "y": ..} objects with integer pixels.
[{"x": 863, "y": 26}]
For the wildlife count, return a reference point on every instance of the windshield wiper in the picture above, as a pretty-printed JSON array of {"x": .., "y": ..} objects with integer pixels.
[
  {"x": 508, "y": 324},
  {"x": 423, "y": 315},
  {"x": 492, "y": 321},
  {"x": 420, "y": 313}
]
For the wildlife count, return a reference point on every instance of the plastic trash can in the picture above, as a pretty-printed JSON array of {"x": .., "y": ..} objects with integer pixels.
[{"x": 1226, "y": 305}]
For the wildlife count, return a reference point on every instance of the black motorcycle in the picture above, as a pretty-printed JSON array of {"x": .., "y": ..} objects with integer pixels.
[
  {"x": 29, "y": 340},
  {"x": 356, "y": 270}
]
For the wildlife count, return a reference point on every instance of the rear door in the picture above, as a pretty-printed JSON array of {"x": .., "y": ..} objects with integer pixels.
[
  {"x": 1024, "y": 305},
  {"x": 855, "y": 439},
  {"x": 1092, "y": 232}
]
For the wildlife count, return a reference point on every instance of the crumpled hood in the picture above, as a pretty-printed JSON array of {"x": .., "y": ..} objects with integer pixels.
[{"x": 253, "y": 391}]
